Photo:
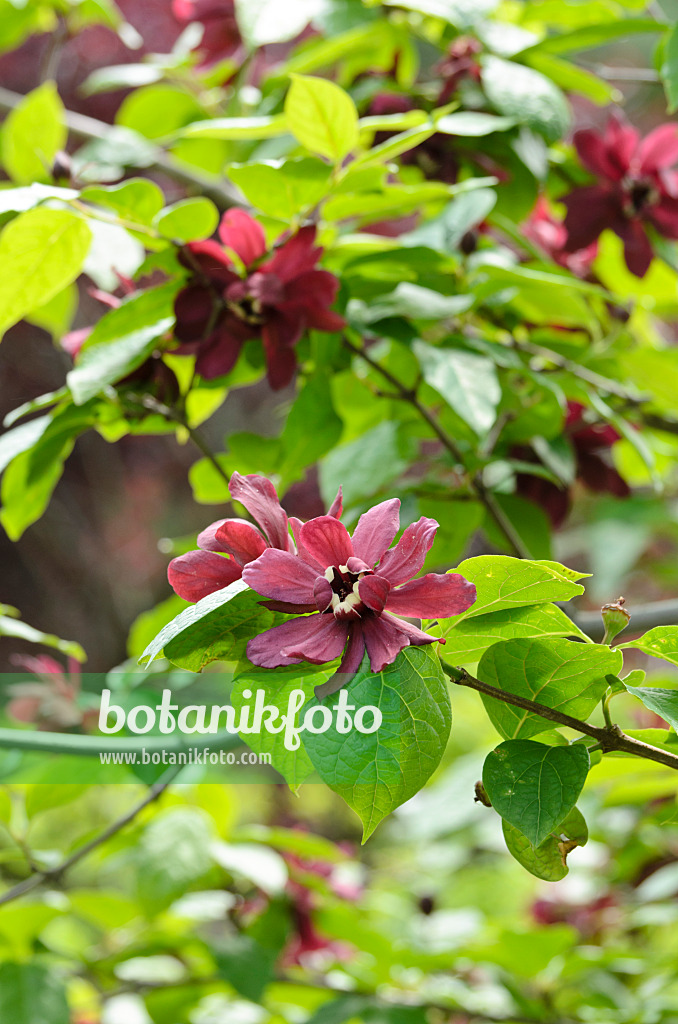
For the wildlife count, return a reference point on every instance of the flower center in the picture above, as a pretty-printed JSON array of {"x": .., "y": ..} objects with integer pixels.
[
  {"x": 641, "y": 193},
  {"x": 346, "y": 602}
]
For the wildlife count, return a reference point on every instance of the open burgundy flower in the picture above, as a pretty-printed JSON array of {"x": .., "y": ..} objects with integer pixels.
[
  {"x": 590, "y": 442},
  {"x": 228, "y": 545},
  {"x": 355, "y": 589},
  {"x": 276, "y": 297},
  {"x": 636, "y": 186},
  {"x": 461, "y": 61},
  {"x": 542, "y": 229}
]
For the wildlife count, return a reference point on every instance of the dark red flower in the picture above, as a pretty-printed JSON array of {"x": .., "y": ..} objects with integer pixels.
[
  {"x": 221, "y": 36},
  {"x": 636, "y": 187},
  {"x": 543, "y": 230},
  {"x": 51, "y": 702},
  {"x": 228, "y": 545},
  {"x": 589, "y": 441},
  {"x": 229, "y": 301},
  {"x": 460, "y": 62},
  {"x": 354, "y": 588}
]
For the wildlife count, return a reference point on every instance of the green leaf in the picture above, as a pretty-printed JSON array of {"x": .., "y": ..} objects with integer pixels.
[
  {"x": 32, "y": 994},
  {"x": 282, "y": 188},
  {"x": 17, "y": 200},
  {"x": 549, "y": 859},
  {"x": 592, "y": 36},
  {"x": 188, "y": 220},
  {"x": 669, "y": 69},
  {"x": 663, "y": 702},
  {"x": 460, "y": 13},
  {"x": 473, "y": 124},
  {"x": 236, "y": 128},
  {"x": 466, "y": 641},
  {"x": 321, "y": 116},
  {"x": 526, "y": 95},
  {"x": 14, "y": 442},
  {"x": 11, "y": 626},
  {"x": 295, "y": 766},
  {"x": 32, "y": 135},
  {"x": 446, "y": 231},
  {"x": 660, "y": 642},
  {"x": 172, "y": 854},
  {"x": 312, "y": 428},
  {"x": 217, "y": 627},
  {"x": 41, "y": 251},
  {"x": 137, "y": 200},
  {"x": 505, "y": 582},
  {"x": 121, "y": 341},
  {"x": 467, "y": 382},
  {"x": 411, "y": 301},
  {"x": 533, "y": 786},
  {"x": 560, "y": 674},
  {"x": 363, "y": 466},
  {"x": 246, "y": 965},
  {"x": 273, "y": 21},
  {"x": 376, "y": 772}
]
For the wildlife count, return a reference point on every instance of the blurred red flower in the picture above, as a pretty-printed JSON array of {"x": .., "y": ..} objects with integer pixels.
[
  {"x": 636, "y": 187},
  {"x": 542, "y": 229},
  {"x": 230, "y": 301},
  {"x": 221, "y": 36}
]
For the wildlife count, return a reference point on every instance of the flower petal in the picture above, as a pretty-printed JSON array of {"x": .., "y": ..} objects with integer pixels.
[
  {"x": 241, "y": 539},
  {"x": 193, "y": 308},
  {"x": 373, "y": 592},
  {"x": 659, "y": 148},
  {"x": 281, "y": 576},
  {"x": 278, "y": 335},
  {"x": 322, "y": 593},
  {"x": 244, "y": 235},
  {"x": 350, "y": 663},
  {"x": 219, "y": 353},
  {"x": 622, "y": 142},
  {"x": 597, "y": 155},
  {"x": 305, "y": 555},
  {"x": 199, "y": 573},
  {"x": 664, "y": 216},
  {"x": 260, "y": 498},
  {"x": 326, "y": 540},
  {"x": 266, "y": 649},
  {"x": 384, "y": 640},
  {"x": 210, "y": 259},
  {"x": 433, "y": 596},
  {"x": 417, "y": 636},
  {"x": 375, "y": 530},
  {"x": 325, "y": 643},
  {"x": 405, "y": 560},
  {"x": 637, "y": 249},
  {"x": 207, "y": 538},
  {"x": 589, "y": 211},
  {"x": 337, "y": 506},
  {"x": 296, "y": 256}
]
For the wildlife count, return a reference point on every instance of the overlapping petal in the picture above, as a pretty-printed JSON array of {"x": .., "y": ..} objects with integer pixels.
[
  {"x": 260, "y": 498},
  {"x": 241, "y": 540},
  {"x": 265, "y": 650},
  {"x": 432, "y": 596},
  {"x": 326, "y": 540},
  {"x": 376, "y": 531},
  {"x": 405, "y": 560},
  {"x": 244, "y": 235},
  {"x": 199, "y": 573},
  {"x": 282, "y": 576}
]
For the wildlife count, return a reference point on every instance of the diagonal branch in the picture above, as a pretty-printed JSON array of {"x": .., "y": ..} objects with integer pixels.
[{"x": 609, "y": 738}]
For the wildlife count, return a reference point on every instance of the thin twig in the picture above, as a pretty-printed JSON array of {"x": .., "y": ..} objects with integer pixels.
[
  {"x": 485, "y": 496},
  {"x": 55, "y": 874},
  {"x": 610, "y": 738},
  {"x": 153, "y": 405},
  {"x": 88, "y": 129}
]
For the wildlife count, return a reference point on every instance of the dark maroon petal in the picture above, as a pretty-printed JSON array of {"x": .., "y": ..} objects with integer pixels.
[
  {"x": 596, "y": 156},
  {"x": 384, "y": 640},
  {"x": 406, "y": 559},
  {"x": 337, "y": 506},
  {"x": 296, "y": 256},
  {"x": 349, "y": 665},
  {"x": 326, "y": 540},
  {"x": 324, "y": 643},
  {"x": 199, "y": 573},
  {"x": 266, "y": 649},
  {"x": 242, "y": 540},
  {"x": 376, "y": 530},
  {"x": 324, "y": 320},
  {"x": 622, "y": 143},
  {"x": 373, "y": 592},
  {"x": 554, "y": 500},
  {"x": 244, "y": 235},
  {"x": 589, "y": 211},
  {"x": 193, "y": 308},
  {"x": 207, "y": 538},
  {"x": 664, "y": 216},
  {"x": 322, "y": 594},
  {"x": 281, "y": 361},
  {"x": 209, "y": 259},
  {"x": 637, "y": 249},
  {"x": 433, "y": 596},
  {"x": 219, "y": 353},
  {"x": 313, "y": 288},
  {"x": 601, "y": 477},
  {"x": 288, "y": 608},
  {"x": 260, "y": 498},
  {"x": 281, "y": 576},
  {"x": 659, "y": 148},
  {"x": 416, "y": 636}
]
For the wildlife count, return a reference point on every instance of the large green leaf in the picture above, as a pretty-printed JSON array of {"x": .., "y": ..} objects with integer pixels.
[
  {"x": 660, "y": 642},
  {"x": 41, "y": 251},
  {"x": 137, "y": 200},
  {"x": 377, "y": 772},
  {"x": 468, "y": 382},
  {"x": 561, "y": 674},
  {"x": 216, "y": 628},
  {"x": 32, "y": 135},
  {"x": 363, "y": 466},
  {"x": 274, "y": 21},
  {"x": 525, "y": 94},
  {"x": 312, "y": 428},
  {"x": 172, "y": 853},
  {"x": 663, "y": 702},
  {"x": 282, "y": 188},
  {"x": 321, "y": 116},
  {"x": 466, "y": 641},
  {"x": 669, "y": 68},
  {"x": 534, "y": 786},
  {"x": 505, "y": 582},
  {"x": 549, "y": 859},
  {"x": 121, "y": 341},
  {"x": 32, "y": 994}
]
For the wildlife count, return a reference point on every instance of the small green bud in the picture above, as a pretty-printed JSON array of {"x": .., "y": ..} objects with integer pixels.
[{"x": 615, "y": 618}]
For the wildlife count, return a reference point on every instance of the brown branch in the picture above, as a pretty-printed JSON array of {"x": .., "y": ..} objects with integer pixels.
[
  {"x": 55, "y": 874},
  {"x": 609, "y": 738},
  {"x": 485, "y": 496},
  {"x": 88, "y": 129}
]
